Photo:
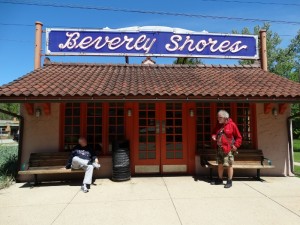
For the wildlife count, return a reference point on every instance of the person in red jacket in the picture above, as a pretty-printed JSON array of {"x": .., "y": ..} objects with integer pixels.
[{"x": 229, "y": 139}]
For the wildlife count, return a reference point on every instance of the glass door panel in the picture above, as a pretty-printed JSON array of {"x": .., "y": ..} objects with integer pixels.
[
  {"x": 161, "y": 143},
  {"x": 174, "y": 131},
  {"x": 147, "y": 131}
]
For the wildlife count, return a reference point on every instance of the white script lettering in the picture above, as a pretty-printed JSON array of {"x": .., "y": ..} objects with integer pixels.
[
  {"x": 179, "y": 44},
  {"x": 141, "y": 43}
]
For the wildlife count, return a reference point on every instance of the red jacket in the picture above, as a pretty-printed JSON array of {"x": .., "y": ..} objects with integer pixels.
[{"x": 230, "y": 132}]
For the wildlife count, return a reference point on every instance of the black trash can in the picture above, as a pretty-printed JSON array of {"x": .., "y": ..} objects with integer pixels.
[{"x": 121, "y": 161}]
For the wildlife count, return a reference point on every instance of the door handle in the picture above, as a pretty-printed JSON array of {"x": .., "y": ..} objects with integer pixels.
[
  {"x": 163, "y": 127},
  {"x": 157, "y": 127}
]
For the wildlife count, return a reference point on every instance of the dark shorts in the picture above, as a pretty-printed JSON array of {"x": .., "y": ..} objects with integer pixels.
[{"x": 223, "y": 158}]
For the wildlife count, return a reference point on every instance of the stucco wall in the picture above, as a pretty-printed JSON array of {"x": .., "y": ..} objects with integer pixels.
[
  {"x": 273, "y": 139},
  {"x": 40, "y": 134}
]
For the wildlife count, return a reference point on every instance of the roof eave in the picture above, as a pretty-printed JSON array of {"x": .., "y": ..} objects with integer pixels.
[{"x": 182, "y": 98}]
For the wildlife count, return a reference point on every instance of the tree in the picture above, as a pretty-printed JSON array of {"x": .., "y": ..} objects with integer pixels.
[
  {"x": 274, "y": 51},
  {"x": 191, "y": 61},
  {"x": 294, "y": 49},
  {"x": 282, "y": 61},
  {"x": 11, "y": 107}
]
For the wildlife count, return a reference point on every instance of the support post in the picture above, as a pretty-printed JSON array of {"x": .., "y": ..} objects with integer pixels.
[
  {"x": 263, "y": 50},
  {"x": 35, "y": 180},
  {"x": 38, "y": 44}
]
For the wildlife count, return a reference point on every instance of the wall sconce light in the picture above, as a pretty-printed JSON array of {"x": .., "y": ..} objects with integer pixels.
[
  {"x": 129, "y": 112},
  {"x": 275, "y": 112},
  {"x": 38, "y": 113},
  {"x": 192, "y": 113}
]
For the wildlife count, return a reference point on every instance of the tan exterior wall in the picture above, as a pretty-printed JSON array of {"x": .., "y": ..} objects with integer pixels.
[
  {"x": 40, "y": 134},
  {"x": 273, "y": 140}
]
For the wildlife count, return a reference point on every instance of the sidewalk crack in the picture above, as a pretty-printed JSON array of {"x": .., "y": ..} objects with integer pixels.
[
  {"x": 172, "y": 202},
  {"x": 273, "y": 200},
  {"x": 65, "y": 207}
]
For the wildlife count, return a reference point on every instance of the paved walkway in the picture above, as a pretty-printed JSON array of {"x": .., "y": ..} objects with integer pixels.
[
  {"x": 8, "y": 141},
  {"x": 296, "y": 163},
  {"x": 157, "y": 200}
]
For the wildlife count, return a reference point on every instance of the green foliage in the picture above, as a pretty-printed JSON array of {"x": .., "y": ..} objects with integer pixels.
[
  {"x": 279, "y": 61},
  {"x": 297, "y": 170},
  {"x": 11, "y": 107},
  {"x": 296, "y": 146},
  {"x": 282, "y": 61},
  {"x": 5, "y": 181},
  {"x": 8, "y": 165},
  {"x": 296, "y": 128},
  {"x": 191, "y": 61}
]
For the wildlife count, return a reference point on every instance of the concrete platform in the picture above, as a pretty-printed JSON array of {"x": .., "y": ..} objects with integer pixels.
[{"x": 154, "y": 200}]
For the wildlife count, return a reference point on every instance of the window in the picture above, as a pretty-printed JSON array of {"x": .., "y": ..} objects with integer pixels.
[
  {"x": 147, "y": 135},
  {"x": 71, "y": 125},
  {"x": 94, "y": 125},
  {"x": 223, "y": 106},
  {"x": 241, "y": 113},
  {"x": 174, "y": 127},
  {"x": 203, "y": 125},
  {"x": 243, "y": 122},
  {"x": 116, "y": 123},
  {"x": 100, "y": 123}
]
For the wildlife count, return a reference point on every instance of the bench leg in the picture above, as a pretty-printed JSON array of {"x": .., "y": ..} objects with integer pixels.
[
  {"x": 258, "y": 174},
  {"x": 210, "y": 173},
  {"x": 35, "y": 180}
]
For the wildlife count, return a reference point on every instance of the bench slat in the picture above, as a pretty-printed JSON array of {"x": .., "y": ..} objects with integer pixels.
[
  {"x": 248, "y": 165},
  {"x": 245, "y": 159},
  {"x": 49, "y": 170}
]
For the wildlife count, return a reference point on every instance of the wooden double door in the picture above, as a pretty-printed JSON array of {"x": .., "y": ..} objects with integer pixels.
[{"x": 160, "y": 138}]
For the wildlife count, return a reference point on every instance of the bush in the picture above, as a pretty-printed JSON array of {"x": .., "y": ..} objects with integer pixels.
[
  {"x": 8, "y": 165},
  {"x": 6, "y": 181},
  {"x": 296, "y": 128}
]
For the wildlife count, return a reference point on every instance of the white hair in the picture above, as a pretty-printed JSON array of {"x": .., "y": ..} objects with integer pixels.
[{"x": 224, "y": 114}]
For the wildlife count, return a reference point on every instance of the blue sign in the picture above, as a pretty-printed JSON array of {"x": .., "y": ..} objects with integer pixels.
[{"x": 129, "y": 42}]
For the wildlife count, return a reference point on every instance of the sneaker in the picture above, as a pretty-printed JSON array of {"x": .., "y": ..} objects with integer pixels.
[
  {"x": 217, "y": 181},
  {"x": 84, "y": 188},
  {"x": 228, "y": 184},
  {"x": 96, "y": 165}
]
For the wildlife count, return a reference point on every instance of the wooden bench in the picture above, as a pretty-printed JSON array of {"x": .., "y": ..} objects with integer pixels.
[
  {"x": 48, "y": 163},
  {"x": 244, "y": 159}
]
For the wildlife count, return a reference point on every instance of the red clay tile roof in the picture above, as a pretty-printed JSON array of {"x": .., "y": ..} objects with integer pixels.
[{"x": 65, "y": 81}]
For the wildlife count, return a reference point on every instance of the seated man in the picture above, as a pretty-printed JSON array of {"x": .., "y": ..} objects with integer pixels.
[{"x": 83, "y": 157}]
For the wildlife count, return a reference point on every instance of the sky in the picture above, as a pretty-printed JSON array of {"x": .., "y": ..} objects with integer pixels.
[{"x": 17, "y": 24}]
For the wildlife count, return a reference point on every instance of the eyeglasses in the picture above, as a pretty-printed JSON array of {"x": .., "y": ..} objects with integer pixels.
[{"x": 219, "y": 117}]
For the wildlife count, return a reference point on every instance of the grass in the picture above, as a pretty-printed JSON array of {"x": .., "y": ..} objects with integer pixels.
[
  {"x": 297, "y": 157},
  {"x": 296, "y": 145},
  {"x": 8, "y": 165},
  {"x": 297, "y": 170}
]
